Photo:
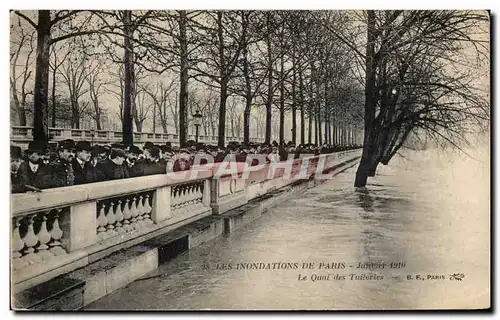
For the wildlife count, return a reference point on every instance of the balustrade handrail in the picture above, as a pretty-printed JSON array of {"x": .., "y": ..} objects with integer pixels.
[
  {"x": 25, "y": 203},
  {"x": 135, "y": 132}
]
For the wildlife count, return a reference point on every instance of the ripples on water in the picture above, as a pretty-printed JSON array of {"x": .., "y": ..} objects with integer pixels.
[{"x": 429, "y": 210}]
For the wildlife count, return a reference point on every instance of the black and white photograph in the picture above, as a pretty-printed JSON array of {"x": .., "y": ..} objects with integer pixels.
[{"x": 249, "y": 160}]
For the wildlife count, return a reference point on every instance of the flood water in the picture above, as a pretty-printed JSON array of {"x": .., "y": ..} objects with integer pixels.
[{"x": 428, "y": 210}]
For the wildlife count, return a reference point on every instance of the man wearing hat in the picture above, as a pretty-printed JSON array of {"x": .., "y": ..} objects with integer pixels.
[
  {"x": 114, "y": 167},
  {"x": 15, "y": 161},
  {"x": 62, "y": 169},
  {"x": 83, "y": 171},
  {"x": 132, "y": 162},
  {"x": 152, "y": 165},
  {"x": 32, "y": 173}
]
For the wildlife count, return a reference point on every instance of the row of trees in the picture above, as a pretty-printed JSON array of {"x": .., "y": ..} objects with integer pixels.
[
  {"x": 155, "y": 62},
  {"x": 426, "y": 73},
  {"x": 406, "y": 73}
]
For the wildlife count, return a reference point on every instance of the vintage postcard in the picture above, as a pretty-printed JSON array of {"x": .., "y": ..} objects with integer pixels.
[{"x": 250, "y": 160}]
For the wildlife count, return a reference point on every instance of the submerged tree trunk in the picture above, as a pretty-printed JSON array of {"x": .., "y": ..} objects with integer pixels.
[{"x": 366, "y": 157}]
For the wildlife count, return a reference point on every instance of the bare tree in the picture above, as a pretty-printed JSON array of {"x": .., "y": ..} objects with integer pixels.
[
  {"x": 67, "y": 26},
  {"x": 222, "y": 37},
  {"x": 417, "y": 78},
  {"x": 58, "y": 55},
  {"x": 161, "y": 94},
  {"x": 23, "y": 40},
  {"x": 96, "y": 88},
  {"x": 74, "y": 72},
  {"x": 142, "y": 107}
]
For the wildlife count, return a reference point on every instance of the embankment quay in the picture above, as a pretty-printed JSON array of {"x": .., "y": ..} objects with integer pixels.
[{"x": 74, "y": 245}]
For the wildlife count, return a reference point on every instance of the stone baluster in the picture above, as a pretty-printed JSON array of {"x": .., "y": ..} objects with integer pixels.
[
  {"x": 176, "y": 196},
  {"x": 147, "y": 210},
  {"x": 181, "y": 196},
  {"x": 17, "y": 244},
  {"x": 133, "y": 213},
  {"x": 140, "y": 211},
  {"x": 126, "y": 216},
  {"x": 111, "y": 217},
  {"x": 199, "y": 192},
  {"x": 185, "y": 196},
  {"x": 119, "y": 217},
  {"x": 173, "y": 197},
  {"x": 194, "y": 193},
  {"x": 31, "y": 239},
  {"x": 44, "y": 238},
  {"x": 102, "y": 221},
  {"x": 56, "y": 233}
]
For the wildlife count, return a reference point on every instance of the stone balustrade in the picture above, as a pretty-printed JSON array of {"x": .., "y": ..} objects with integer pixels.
[
  {"x": 59, "y": 230},
  {"x": 21, "y": 135}
]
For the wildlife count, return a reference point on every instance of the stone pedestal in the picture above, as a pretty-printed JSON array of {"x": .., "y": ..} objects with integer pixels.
[
  {"x": 161, "y": 205},
  {"x": 227, "y": 193}
]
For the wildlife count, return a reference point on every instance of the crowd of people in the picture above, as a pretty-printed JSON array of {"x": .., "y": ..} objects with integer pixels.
[{"x": 75, "y": 163}]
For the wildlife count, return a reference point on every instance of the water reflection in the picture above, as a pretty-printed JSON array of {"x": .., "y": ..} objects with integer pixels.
[{"x": 365, "y": 201}]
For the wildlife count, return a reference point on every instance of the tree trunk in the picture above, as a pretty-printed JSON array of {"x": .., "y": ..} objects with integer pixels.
[
  {"x": 334, "y": 134},
  {"x": 269, "y": 99},
  {"x": 98, "y": 121},
  {"x": 232, "y": 127},
  {"x": 222, "y": 114},
  {"x": 223, "y": 82},
  {"x": 320, "y": 136},
  {"x": 183, "y": 96},
  {"x": 54, "y": 98},
  {"x": 154, "y": 118},
  {"x": 315, "y": 129},
  {"x": 282, "y": 102},
  {"x": 364, "y": 165},
  {"x": 20, "y": 111},
  {"x": 327, "y": 124},
  {"x": 310, "y": 118},
  {"x": 40, "y": 126},
  {"x": 302, "y": 111},
  {"x": 294, "y": 99},
  {"x": 128, "y": 127},
  {"x": 246, "y": 120}
]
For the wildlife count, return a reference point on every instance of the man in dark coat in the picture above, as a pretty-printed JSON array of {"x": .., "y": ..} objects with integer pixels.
[
  {"x": 134, "y": 167},
  {"x": 62, "y": 169},
  {"x": 151, "y": 164},
  {"x": 16, "y": 158},
  {"x": 114, "y": 168},
  {"x": 32, "y": 174},
  {"x": 83, "y": 170}
]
